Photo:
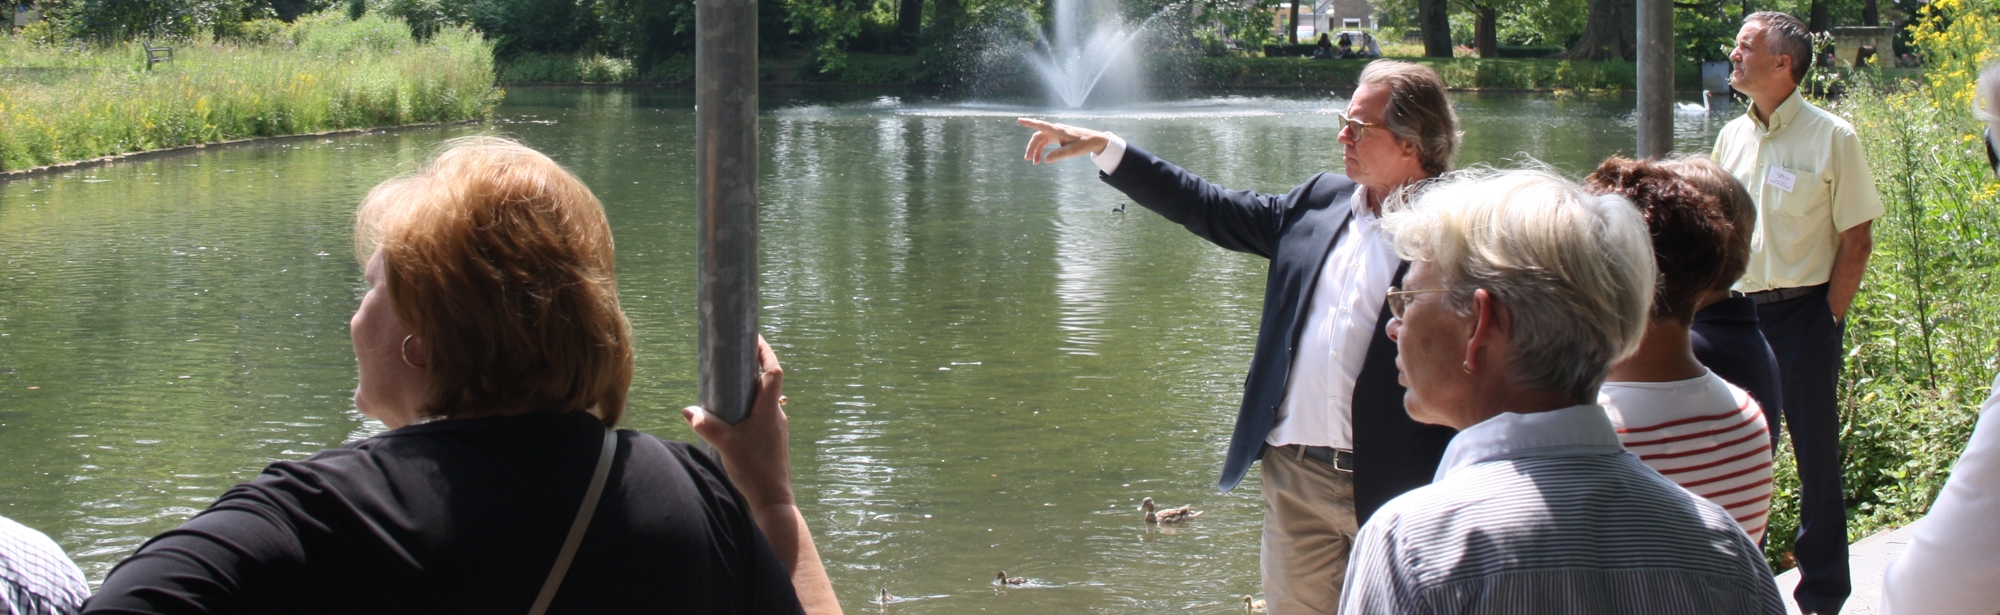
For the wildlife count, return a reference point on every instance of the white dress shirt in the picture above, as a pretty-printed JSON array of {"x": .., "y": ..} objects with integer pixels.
[{"x": 1340, "y": 322}]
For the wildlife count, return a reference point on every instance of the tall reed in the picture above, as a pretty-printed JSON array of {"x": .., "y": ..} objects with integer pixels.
[{"x": 67, "y": 103}]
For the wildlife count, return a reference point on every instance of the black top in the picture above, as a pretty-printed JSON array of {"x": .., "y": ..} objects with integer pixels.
[
  {"x": 464, "y": 516},
  {"x": 1727, "y": 341},
  {"x": 1296, "y": 231}
]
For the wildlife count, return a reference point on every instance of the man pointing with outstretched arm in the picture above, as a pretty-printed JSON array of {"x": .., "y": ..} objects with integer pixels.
[{"x": 1321, "y": 406}]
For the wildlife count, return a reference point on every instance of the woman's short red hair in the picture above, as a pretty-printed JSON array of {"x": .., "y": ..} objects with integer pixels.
[
  {"x": 1693, "y": 230},
  {"x": 500, "y": 261}
]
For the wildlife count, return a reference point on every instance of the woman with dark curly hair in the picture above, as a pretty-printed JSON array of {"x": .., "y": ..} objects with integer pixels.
[{"x": 1702, "y": 432}]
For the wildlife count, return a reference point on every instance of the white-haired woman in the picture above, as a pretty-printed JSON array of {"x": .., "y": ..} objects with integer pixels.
[
  {"x": 1953, "y": 560},
  {"x": 1523, "y": 290}
]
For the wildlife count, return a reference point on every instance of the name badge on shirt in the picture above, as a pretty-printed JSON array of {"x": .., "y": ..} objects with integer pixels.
[{"x": 1781, "y": 178}]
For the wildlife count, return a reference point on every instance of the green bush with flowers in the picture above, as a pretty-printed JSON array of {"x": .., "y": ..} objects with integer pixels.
[{"x": 1923, "y": 337}]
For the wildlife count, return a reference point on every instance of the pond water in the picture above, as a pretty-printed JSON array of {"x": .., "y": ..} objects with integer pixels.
[{"x": 988, "y": 367}]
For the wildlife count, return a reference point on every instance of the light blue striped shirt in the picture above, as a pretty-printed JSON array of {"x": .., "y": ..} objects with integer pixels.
[
  {"x": 35, "y": 577},
  {"x": 1546, "y": 513}
]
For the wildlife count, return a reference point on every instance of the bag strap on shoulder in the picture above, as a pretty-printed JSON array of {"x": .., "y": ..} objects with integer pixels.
[{"x": 582, "y": 523}]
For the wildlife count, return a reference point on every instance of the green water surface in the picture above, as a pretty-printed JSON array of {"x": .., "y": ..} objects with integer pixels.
[{"x": 987, "y": 367}]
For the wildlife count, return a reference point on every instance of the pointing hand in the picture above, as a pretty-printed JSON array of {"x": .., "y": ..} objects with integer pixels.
[{"x": 1069, "y": 141}]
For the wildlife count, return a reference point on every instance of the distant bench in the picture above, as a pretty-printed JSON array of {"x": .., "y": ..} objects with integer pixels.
[{"x": 156, "y": 54}]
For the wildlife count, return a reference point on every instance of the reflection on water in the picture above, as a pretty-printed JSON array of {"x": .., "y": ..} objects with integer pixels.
[{"x": 989, "y": 367}]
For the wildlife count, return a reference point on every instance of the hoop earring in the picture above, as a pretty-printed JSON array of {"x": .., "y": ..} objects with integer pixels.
[
  {"x": 1466, "y": 365},
  {"x": 406, "y": 351}
]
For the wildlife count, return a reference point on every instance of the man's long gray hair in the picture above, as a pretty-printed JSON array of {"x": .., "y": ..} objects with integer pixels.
[{"x": 1419, "y": 111}]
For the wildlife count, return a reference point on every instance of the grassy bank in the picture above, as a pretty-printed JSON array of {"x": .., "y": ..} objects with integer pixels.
[{"x": 66, "y": 103}]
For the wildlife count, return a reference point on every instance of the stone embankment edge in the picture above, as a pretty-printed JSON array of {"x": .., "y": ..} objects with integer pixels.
[{"x": 42, "y": 171}]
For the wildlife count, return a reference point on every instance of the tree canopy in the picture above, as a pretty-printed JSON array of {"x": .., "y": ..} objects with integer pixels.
[{"x": 822, "y": 32}]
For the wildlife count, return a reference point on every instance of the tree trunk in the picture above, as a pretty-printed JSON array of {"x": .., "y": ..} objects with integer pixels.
[
  {"x": 1609, "y": 33},
  {"x": 1292, "y": 32},
  {"x": 1486, "y": 31},
  {"x": 1434, "y": 17},
  {"x": 1822, "y": 17},
  {"x": 909, "y": 19},
  {"x": 1870, "y": 14}
]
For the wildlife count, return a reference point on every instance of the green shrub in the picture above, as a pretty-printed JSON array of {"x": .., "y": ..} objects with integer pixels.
[
  {"x": 674, "y": 69},
  {"x": 871, "y": 69},
  {"x": 537, "y": 26},
  {"x": 108, "y": 21},
  {"x": 538, "y": 68},
  {"x": 1922, "y": 336},
  {"x": 425, "y": 17},
  {"x": 333, "y": 36},
  {"x": 266, "y": 31},
  {"x": 42, "y": 32},
  {"x": 605, "y": 69}
]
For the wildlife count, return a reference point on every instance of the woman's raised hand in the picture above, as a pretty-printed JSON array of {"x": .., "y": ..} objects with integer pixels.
[{"x": 755, "y": 452}]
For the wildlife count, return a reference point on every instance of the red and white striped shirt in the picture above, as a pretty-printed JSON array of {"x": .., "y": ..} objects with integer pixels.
[{"x": 1705, "y": 435}]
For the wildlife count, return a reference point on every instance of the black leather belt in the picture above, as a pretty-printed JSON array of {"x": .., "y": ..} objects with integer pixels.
[
  {"x": 1783, "y": 294},
  {"x": 1342, "y": 460}
]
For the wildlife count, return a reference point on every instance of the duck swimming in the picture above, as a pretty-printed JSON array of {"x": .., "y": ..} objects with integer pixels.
[{"x": 1155, "y": 514}]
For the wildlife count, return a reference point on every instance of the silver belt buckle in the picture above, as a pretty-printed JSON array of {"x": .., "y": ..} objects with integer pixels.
[{"x": 1343, "y": 460}]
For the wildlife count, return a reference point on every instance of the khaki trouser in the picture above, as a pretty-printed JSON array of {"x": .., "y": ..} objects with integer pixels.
[{"x": 1309, "y": 529}]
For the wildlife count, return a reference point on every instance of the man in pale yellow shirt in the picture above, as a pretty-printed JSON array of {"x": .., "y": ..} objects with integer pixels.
[{"x": 1815, "y": 200}]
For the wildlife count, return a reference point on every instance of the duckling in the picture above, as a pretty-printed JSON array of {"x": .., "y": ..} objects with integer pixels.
[
  {"x": 1168, "y": 515},
  {"x": 1251, "y": 605},
  {"x": 1003, "y": 579}
]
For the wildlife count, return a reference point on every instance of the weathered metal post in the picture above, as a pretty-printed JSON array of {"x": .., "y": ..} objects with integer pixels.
[
  {"x": 1656, "y": 77},
  {"x": 726, "y": 194}
]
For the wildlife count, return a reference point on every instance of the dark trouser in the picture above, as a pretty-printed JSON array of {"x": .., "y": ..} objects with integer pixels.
[{"x": 1807, "y": 341}]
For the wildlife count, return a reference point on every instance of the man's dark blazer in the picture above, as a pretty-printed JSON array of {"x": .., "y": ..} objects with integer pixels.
[{"x": 1297, "y": 231}]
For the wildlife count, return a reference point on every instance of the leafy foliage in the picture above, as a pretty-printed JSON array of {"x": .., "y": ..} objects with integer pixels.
[
  {"x": 1458, "y": 73},
  {"x": 1704, "y": 31},
  {"x": 1542, "y": 22},
  {"x": 120, "y": 20},
  {"x": 1922, "y": 336},
  {"x": 539, "y": 26}
]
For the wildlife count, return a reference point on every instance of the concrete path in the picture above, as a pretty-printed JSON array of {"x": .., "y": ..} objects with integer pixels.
[{"x": 1865, "y": 561}]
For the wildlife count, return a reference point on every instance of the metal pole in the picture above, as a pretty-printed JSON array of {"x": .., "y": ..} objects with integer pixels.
[
  {"x": 1656, "y": 78},
  {"x": 726, "y": 193}
]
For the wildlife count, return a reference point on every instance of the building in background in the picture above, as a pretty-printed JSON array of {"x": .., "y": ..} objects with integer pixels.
[
  {"x": 1336, "y": 15},
  {"x": 1324, "y": 16}
]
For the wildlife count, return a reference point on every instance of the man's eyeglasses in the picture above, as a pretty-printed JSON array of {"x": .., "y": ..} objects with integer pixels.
[
  {"x": 1399, "y": 299},
  {"x": 1348, "y": 122}
]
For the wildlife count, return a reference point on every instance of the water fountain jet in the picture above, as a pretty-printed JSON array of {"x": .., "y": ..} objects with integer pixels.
[{"x": 1070, "y": 67}]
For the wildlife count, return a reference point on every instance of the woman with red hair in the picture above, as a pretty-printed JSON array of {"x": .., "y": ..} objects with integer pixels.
[{"x": 492, "y": 345}]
